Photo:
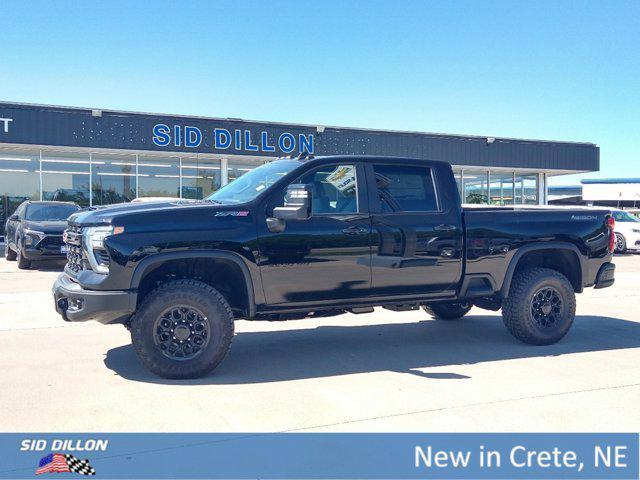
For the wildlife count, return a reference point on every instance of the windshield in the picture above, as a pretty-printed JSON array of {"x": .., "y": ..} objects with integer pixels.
[
  {"x": 248, "y": 186},
  {"x": 624, "y": 217},
  {"x": 49, "y": 211}
]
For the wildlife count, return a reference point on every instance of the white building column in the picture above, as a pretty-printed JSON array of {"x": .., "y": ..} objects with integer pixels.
[
  {"x": 542, "y": 189},
  {"x": 224, "y": 173}
]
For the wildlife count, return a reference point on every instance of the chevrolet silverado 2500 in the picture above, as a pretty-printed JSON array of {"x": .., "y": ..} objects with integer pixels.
[{"x": 315, "y": 237}]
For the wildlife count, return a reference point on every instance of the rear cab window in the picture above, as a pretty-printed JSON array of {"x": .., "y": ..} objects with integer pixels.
[{"x": 405, "y": 188}]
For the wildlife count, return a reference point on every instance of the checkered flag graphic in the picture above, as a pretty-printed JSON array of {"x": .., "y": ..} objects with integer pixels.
[{"x": 79, "y": 466}]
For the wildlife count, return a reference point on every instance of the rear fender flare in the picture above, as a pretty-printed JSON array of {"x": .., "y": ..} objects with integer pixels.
[{"x": 521, "y": 252}]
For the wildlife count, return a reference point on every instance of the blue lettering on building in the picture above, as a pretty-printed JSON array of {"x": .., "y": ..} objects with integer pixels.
[
  {"x": 247, "y": 142},
  {"x": 265, "y": 143},
  {"x": 222, "y": 139},
  {"x": 287, "y": 142},
  {"x": 192, "y": 137},
  {"x": 161, "y": 135}
]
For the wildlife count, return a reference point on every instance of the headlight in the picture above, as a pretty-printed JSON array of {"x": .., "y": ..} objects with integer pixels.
[
  {"x": 94, "y": 236},
  {"x": 93, "y": 243},
  {"x": 31, "y": 237}
]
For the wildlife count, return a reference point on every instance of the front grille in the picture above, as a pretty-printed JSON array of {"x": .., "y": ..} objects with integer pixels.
[
  {"x": 73, "y": 238},
  {"x": 52, "y": 241}
]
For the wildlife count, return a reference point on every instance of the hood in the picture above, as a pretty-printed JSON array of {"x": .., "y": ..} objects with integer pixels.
[
  {"x": 52, "y": 227},
  {"x": 105, "y": 214}
]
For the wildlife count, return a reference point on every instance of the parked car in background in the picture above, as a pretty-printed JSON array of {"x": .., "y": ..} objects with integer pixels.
[
  {"x": 627, "y": 231},
  {"x": 34, "y": 231}
]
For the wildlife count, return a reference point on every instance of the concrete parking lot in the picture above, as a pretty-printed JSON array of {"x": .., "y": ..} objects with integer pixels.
[{"x": 383, "y": 371}]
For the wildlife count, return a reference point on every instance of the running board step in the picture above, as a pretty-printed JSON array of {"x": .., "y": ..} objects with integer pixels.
[
  {"x": 359, "y": 310},
  {"x": 405, "y": 307}
]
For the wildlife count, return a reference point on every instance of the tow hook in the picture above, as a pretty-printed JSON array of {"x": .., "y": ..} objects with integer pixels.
[{"x": 63, "y": 305}]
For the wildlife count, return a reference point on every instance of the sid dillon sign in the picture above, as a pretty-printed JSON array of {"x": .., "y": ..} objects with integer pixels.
[{"x": 236, "y": 140}]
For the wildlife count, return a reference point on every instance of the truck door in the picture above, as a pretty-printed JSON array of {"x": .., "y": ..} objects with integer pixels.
[
  {"x": 327, "y": 256},
  {"x": 416, "y": 229}
]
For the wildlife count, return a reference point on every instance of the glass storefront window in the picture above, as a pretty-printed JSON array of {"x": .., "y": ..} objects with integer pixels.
[
  {"x": 458, "y": 176},
  {"x": 200, "y": 177},
  {"x": 501, "y": 188},
  {"x": 530, "y": 188},
  {"x": 526, "y": 188},
  {"x": 66, "y": 177},
  {"x": 19, "y": 180},
  {"x": 158, "y": 176},
  {"x": 475, "y": 187},
  {"x": 113, "y": 178}
]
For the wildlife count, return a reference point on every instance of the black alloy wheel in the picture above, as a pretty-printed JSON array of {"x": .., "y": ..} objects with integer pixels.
[{"x": 181, "y": 332}]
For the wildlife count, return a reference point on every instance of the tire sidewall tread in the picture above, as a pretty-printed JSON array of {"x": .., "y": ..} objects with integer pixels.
[
  {"x": 516, "y": 310},
  {"x": 188, "y": 292}
]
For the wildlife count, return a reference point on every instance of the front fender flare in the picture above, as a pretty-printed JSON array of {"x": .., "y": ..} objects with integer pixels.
[{"x": 149, "y": 263}]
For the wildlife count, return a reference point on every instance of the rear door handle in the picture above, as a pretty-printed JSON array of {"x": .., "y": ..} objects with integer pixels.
[
  {"x": 443, "y": 227},
  {"x": 355, "y": 230}
]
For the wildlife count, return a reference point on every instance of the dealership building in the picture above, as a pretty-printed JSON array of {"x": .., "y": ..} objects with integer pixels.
[{"x": 98, "y": 157}]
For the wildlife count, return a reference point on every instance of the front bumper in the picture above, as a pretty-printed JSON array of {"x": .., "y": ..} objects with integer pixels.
[
  {"x": 606, "y": 275},
  {"x": 45, "y": 253},
  {"x": 77, "y": 304}
]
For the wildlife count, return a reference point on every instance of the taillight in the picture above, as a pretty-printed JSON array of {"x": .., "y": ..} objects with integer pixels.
[{"x": 611, "y": 223}]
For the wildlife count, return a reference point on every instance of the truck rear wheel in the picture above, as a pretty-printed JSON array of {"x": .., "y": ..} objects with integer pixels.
[
  {"x": 540, "y": 307},
  {"x": 183, "y": 329},
  {"x": 448, "y": 310}
]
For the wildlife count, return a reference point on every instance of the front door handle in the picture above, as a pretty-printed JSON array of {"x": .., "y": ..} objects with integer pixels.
[
  {"x": 355, "y": 230},
  {"x": 443, "y": 227}
]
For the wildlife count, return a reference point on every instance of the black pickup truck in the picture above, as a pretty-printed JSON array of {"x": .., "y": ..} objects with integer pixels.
[{"x": 316, "y": 237}]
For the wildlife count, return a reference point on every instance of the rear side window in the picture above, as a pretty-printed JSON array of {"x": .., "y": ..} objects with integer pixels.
[{"x": 404, "y": 188}]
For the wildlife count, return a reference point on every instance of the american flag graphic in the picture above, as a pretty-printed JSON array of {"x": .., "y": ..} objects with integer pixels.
[
  {"x": 54, "y": 462},
  {"x": 62, "y": 463}
]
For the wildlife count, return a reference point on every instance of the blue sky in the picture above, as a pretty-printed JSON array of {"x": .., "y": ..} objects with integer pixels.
[{"x": 556, "y": 70}]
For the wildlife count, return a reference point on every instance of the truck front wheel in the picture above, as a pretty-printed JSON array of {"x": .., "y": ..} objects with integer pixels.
[
  {"x": 540, "y": 307},
  {"x": 448, "y": 310},
  {"x": 183, "y": 329},
  {"x": 9, "y": 254}
]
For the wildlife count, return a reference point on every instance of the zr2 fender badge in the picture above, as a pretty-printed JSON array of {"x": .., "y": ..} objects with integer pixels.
[{"x": 232, "y": 213}]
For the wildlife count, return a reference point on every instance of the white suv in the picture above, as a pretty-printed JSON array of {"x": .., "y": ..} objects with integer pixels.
[{"x": 627, "y": 231}]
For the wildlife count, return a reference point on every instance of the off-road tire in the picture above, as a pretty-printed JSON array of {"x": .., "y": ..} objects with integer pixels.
[
  {"x": 518, "y": 308},
  {"x": 9, "y": 254},
  {"x": 23, "y": 263},
  {"x": 448, "y": 310},
  {"x": 621, "y": 243},
  {"x": 195, "y": 294}
]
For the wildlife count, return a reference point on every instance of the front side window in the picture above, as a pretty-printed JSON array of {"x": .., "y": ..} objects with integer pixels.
[
  {"x": 404, "y": 188},
  {"x": 334, "y": 189}
]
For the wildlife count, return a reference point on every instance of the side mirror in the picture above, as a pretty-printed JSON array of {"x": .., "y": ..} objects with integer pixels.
[
  {"x": 297, "y": 203},
  {"x": 14, "y": 217}
]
